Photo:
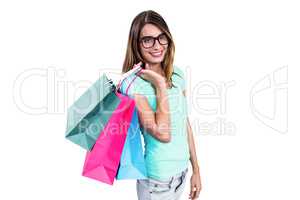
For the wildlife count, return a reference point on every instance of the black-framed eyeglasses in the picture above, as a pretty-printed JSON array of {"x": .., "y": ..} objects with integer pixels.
[{"x": 149, "y": 41}]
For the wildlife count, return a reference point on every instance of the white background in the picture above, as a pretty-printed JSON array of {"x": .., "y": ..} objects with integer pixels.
[{"x": 253, "y": 154}]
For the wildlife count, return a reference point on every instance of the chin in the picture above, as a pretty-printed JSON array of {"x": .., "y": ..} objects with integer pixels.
[{"x": 155, "y": 60}]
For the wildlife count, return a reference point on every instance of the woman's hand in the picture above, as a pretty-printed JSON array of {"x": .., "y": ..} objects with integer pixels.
[
  {"x": 155, "y": 78},
  {"x": 195, "y": 186}
]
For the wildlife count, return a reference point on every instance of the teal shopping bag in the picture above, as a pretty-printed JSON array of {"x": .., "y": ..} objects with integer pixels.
[
  {"x": 132, "y": 164},
  {"x": 89, "y": 114}
]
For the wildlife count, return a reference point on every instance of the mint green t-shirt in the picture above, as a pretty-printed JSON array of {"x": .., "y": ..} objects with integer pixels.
[{"x": 164, "y": 160}]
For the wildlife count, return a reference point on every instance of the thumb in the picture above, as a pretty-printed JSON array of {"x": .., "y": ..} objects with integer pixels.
[
  {"x": 146, "y": 66},
  {"x": 140, "y": 73},
  {"x": 137, "y": 65}
]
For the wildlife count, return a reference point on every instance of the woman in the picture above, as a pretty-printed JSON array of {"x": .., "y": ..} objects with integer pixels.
[{"x": 159, "y": 92}]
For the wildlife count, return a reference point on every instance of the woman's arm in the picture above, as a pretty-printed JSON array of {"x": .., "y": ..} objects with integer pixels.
[
  {"x": 192, "y": 148},
  {"x": 156, "y": 123},
  {"x": 195, "y": 179}
]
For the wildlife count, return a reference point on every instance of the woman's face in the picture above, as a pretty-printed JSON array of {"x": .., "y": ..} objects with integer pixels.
[{"x": 156, "y": 53}]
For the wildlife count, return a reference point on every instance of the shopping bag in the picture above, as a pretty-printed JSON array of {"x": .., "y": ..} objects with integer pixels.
[
  {"x": 89, "y": 114},
  {"x": 132, "y": 164},
  {"x": 101, "y": 163}
]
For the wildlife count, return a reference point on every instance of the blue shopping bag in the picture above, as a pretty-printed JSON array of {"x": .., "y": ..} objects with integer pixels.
[{"x": 132, "y": 164}]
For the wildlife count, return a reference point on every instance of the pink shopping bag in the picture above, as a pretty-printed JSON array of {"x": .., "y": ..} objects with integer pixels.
[{"x": 101, "y": 163}]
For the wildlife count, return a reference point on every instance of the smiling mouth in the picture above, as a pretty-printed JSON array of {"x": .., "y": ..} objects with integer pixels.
[{"x": 156, "y": 54}]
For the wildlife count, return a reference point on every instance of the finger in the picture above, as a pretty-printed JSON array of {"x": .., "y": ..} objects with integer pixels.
[
  {"x": 140, "y": 72},
  {"x": 197, "y": 193},
  {"x": 191, "y": 190},
  {"x": 146, "y": 66},
  {"x": 193, "y": 194},
  {"x": 137, "y": 65}
]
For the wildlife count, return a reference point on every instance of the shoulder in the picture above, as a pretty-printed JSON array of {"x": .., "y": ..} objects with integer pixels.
[
  {"x": 177, "y": 70},
  {"x": 178, "y": 77}
]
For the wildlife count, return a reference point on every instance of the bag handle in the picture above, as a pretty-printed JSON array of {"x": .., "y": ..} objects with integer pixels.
[
  {"x": 138, "y": 73},
  {"x": 136, "y": 70}
]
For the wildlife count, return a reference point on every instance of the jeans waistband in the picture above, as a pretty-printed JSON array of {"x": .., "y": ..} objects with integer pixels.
[
  {"x": 179, "y": 175},
  {"x": 172, "y": 178}
]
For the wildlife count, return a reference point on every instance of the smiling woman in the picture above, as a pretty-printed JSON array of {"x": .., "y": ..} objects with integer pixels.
[
  {"x": 143, "y": 44},
  {"x": 159, "y": 92},
  {"x": 153, "y": 51}
]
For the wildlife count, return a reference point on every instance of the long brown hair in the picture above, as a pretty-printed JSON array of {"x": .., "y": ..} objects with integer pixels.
[{"x": 133, "y": 54}]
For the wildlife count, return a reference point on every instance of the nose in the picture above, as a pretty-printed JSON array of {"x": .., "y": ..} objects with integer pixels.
[{"x": 156, "y": 44}]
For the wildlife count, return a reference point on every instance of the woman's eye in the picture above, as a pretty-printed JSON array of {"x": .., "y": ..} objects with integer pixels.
[
  {"x": 147, "y": 40},
  {"x": 163, "y": 37}
]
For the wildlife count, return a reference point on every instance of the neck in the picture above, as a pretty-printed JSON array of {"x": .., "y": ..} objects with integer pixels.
[{"x": 156, "y": 67}]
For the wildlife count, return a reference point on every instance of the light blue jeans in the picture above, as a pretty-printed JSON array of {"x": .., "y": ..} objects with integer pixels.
[{"x": 152, "y": 189}]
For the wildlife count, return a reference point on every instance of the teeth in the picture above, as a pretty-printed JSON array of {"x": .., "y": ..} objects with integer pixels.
[{"x": 156, "y": 54}]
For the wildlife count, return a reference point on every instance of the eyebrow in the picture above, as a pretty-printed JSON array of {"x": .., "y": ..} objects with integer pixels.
[{"x": 151, "y": 35}]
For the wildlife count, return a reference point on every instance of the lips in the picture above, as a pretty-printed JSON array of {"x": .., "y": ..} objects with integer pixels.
[{"x": 156, "y": 54}]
